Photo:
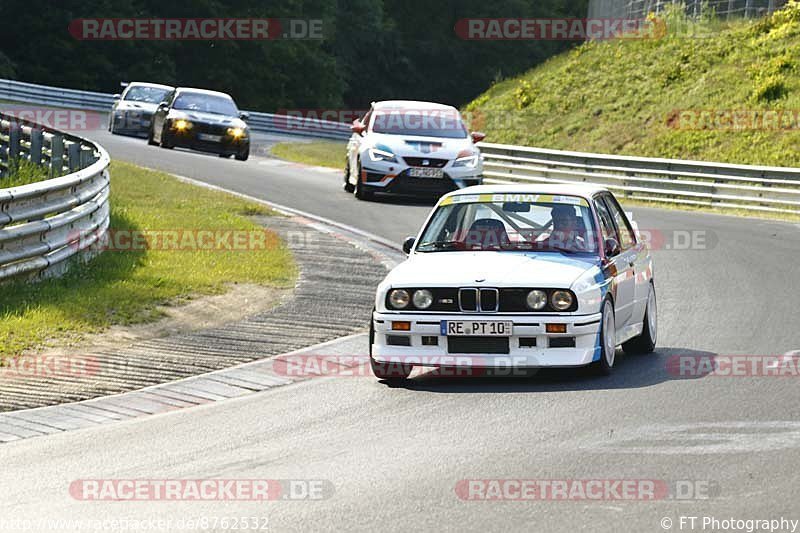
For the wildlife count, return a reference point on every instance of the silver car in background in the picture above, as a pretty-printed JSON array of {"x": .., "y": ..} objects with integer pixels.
[{"x": 134, "y": 108}]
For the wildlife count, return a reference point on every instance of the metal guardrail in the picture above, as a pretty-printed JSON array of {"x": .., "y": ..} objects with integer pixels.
[
  {"x": 699, "y": 183},
  {"x": 261, "y": 122},
  {"x": 46, "y": 224}
]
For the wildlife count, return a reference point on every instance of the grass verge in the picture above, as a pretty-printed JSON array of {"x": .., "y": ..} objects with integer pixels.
[
  {"x": 707, "y": 90},
  {"x": 23, "y": 172},
  {"x": 127, "y": 287},
  {"x": 318, "y": 153}
]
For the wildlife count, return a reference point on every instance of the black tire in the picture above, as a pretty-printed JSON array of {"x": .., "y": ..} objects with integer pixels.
[
  {"x": 391, "y": 373},
  {"x": 605, "y": 365},
  {"x": 646, "y": 342},
  {"x": 165, "y": 141},
  {"x": 348, "y": 187},
  {"x": 243, "y": 155},
  {"x": 150, "y": 140},
  {"x": 360, "y": 190}
]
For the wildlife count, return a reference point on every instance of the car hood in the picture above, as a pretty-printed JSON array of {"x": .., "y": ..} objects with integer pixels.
[
  {"x": 208, "y": 118},
  {"x": 417, "y": 146},
  {"x": 493, "y": 269},
  {"x": 137, "y": 106}
]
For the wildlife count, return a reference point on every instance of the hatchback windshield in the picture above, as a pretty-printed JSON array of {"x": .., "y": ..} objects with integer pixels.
[
  {"x": 207, "y": 103},
  {"x": 511, "y": 222},
  {"x": 421, "y": 122},
  {"x": 148, "y": 95}
]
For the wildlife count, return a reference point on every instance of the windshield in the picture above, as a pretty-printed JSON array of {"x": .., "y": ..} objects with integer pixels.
[
  {"x": 148, "y": 95},
  {"x": 207, "y": 103},
  {"x": 511, "y": 222},
  {"x": 426, "y": 123}
]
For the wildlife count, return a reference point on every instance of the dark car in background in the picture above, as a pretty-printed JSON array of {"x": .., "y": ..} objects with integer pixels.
[
  {"x": 207, "y": 121},
  {"x": 133, "y": 109}
]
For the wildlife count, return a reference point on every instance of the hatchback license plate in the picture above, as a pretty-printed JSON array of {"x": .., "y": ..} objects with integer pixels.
[
  {"x": 422, "y": 172},
  {"x": 210, "y": 138},
  {"x": 476, "y": 328}
]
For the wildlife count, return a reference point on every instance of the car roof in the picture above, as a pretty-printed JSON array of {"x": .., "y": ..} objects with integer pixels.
[
  {"x": 410, "y": 104},
  {"x": 148, "y": 84},
  {"x": 578, "y": 189},
  {"x": 202, "y": 91}
]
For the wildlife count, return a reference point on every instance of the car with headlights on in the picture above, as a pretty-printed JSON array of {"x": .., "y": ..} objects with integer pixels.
[
  {"x": 207, "y": 121},
  {"x": 517, "y": 277},
  {"x": 413, "y": 149},
  {"x": 133, "y": 110}
]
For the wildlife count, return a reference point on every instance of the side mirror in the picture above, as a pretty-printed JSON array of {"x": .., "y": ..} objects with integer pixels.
[
  {"x": 358, "y": 127},
  {"x": 162, "y": 106},
  {"x": 611, "y": 247},
  {"x": 477, "y": 136},
  {"x": 408, "y": 244},
  {"x": 244, "y": 116}
]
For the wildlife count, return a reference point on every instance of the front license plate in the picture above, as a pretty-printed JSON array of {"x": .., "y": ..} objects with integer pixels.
[
  {"x": 477, "y": 328},
  {"x": 210, "y": 138},
  {"x": 422, "y": 172}
]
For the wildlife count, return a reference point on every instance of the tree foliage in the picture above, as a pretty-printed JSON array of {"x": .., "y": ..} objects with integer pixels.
[{"x": 370, "y": 50}]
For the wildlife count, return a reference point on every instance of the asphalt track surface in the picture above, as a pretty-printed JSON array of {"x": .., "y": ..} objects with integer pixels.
[{"x": 395, "y": 455}]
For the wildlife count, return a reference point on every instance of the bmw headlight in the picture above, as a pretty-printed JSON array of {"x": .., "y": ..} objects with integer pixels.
[
  {"x": 536, "y": 300},
  {"x": 399, "y": 298},
  {"x": 467, "y": 162},
  {"x": 422, "y": 299},
  {"x": 561, "y": 300},
  {"x": 236, "y": 133},
  {"x": 378, "y": 154}
]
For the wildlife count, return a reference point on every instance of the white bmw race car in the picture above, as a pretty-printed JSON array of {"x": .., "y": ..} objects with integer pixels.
[
  {"x": 517, "y": 276},
  {"x": 411, "y": 148}
]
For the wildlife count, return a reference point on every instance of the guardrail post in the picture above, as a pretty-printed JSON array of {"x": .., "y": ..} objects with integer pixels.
[
  {"x": 37, "y": 143},
  {"x": 85, "y": 156},
  {"x": 57, "y": 155},
  {"x": 74, "y": 157},
  {"x": 14, "y": 136}
]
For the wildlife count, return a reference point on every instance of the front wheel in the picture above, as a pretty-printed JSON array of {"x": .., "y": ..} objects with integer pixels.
[
  {"x": 361, "y": 191},
  {"x": 646, "y": 342},
  {"x": 608, "y": 340},
  {"x": 243, "y": 154},
  {"x": 348, "y": 187},
  {"x": 165, "y": 140},
  {"x": 390, "y": 372}
]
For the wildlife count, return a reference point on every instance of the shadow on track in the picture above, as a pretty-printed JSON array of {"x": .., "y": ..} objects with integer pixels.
[{"x": 632, "y": 371}]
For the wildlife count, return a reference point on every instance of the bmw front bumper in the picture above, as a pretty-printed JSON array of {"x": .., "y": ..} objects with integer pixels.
[{"x": 529, "y": 345}]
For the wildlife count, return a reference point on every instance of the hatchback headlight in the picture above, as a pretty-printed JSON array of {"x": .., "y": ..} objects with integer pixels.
[
  {"x": 377, "y": 154},
  {"x": 536, "y": 300},
  {"x": 561, "y": 300},
  {"x": 236, "y": 133},
  {"x": 399, "y": 298},
  {"x": 466, "y": 162},
  {"x": 423, "y": 299}
]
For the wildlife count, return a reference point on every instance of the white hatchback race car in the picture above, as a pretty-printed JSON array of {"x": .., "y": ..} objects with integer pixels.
[
  {"x": 411, "y": 149},
  {"x": 517, "y": 277}
]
